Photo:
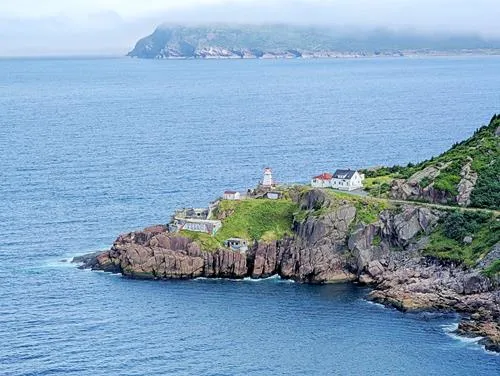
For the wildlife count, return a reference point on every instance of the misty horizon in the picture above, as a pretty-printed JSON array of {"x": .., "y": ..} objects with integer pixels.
[{"x": 113, "y": 27}]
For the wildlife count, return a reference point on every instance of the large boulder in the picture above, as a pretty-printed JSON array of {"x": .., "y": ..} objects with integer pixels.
[
  {"x": 313, "y": 199},
  {"x": 402, "y": 227}
]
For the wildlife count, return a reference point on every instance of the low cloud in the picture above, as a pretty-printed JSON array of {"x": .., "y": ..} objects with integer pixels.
[{"x": 114, "y": 26}]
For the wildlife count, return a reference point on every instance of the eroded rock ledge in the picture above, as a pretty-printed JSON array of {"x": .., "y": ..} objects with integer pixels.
[{"x": 329, "y": 246}]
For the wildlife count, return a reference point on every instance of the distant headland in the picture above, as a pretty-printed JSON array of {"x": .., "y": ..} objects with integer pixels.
[{"x": 291, "y": 42}]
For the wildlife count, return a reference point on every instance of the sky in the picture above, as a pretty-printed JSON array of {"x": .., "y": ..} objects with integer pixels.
[{"x": 55, "y": 27}]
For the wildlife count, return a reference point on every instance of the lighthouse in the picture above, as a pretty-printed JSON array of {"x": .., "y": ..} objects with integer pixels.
[{"x": 267, "y": 181}]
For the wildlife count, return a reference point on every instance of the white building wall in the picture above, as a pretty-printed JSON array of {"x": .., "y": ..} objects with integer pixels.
[
  {"x": 319, "y": 183},
  {"x": 267, "y": 181},
  {"x": 232, "y": 196},
  {"x": 356, "y": 182}
]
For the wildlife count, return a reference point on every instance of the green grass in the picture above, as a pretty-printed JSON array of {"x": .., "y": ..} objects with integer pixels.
[
  {"x": 448, "y": 178},
  {"x": 446, "y": 242},
  {"x": 493, "y": 269},
  {"x": 256, "y": 219},
  {"x": 206, "y": 241},
  {"x": 486, "y": 194},
  {"x": 252, "y": 219},
  {"x": 378, "y": 186},
  {"x": 367, "y": 208}
]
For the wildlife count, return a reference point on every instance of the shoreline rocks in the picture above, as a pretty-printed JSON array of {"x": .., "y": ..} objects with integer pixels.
[{"x": 327, "y": 246}]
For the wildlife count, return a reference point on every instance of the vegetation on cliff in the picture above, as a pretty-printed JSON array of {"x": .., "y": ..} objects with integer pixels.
[
  {"x": 256, "y": 219},
  {"x": 464, "y": 237},
  {"x": 470, "y": 168},
  {"x": 368, "y": 209},
  {"x": 250, "y": 219}
]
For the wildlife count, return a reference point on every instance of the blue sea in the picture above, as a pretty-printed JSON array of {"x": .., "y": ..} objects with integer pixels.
[{"x": 91, "y": 148}]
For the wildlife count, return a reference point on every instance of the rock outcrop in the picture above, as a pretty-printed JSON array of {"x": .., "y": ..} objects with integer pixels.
[
  {"x": 156, "y": 254},
  {"x": 393, "y": 230},
  {"x": 328, "y": 245},
  {"x": 316, "y": 254},
  {"x": 491, "y": 257},
  {"x": 467, "y": 183},
  {"x": 415, "y": 283},
  {"x": 420, "y": 187}
]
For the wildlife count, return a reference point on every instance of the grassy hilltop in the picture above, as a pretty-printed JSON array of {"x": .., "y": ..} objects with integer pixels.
[
  {"x": 250, "y": 219},
  {"x": 444, "y": 173}
]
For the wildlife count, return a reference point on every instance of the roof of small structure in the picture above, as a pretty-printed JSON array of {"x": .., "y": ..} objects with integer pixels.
[
  {"x": 230, "y": 192},
  {"x": 324, "y": 176},
  {"x": 344, "y": 174},
  {"x": 235, "y": 240}
]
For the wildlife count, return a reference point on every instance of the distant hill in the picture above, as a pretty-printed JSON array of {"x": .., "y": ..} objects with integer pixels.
[{"x": 285, "y": 41}]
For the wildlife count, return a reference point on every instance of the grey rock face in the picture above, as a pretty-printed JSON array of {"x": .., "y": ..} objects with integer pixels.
[
  {"x": 412, "y": 188},
  {"x": 491, "y": 257},
  {"x": 402, "y": 227},
  {"x": 318, "y": 252},
  {"x": 313, "y": 199},
  {"x": 467, "y": 183},
  {"x": 392, "y": 230}
]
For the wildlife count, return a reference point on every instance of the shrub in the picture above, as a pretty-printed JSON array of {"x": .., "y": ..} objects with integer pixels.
[
  {"x": 493, "y": 269},
  {"x": 458, "y": 225},
  {"x": 486, "y": 193}
]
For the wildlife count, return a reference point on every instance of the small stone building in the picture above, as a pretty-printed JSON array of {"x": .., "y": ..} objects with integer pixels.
[{"x": 236, "y": 244}]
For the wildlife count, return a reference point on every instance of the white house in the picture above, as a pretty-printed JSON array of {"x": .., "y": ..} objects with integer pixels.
[
  {"x": 322, "y": 181},
  {"x": 347, "y": 180},
  {"x": 232, "y": 195}
]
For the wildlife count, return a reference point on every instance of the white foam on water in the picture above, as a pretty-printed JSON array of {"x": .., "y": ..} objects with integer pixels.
[
  {"x": 374, "y": 303},
  {"x": 490, "y": 352},
  {"x": 274, "y": 278},
  {"x": 450, "y": 329},
  {"x": 64, "y": 260}
]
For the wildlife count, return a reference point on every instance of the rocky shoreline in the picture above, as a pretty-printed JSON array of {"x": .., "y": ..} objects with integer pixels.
[{"x": 386, "y": 255}]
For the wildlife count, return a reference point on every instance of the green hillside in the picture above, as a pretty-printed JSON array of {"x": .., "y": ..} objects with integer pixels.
[{"x": 442, "y": 179}]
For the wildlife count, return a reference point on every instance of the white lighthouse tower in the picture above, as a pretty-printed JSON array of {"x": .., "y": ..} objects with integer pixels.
[{"x": 267, "y": 181}]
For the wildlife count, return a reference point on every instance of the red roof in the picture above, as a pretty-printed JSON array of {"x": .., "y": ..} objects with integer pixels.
[{"x": 324, "y": 176}]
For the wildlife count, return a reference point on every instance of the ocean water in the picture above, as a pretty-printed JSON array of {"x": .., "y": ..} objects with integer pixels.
[{"x": 92, "y": 148}]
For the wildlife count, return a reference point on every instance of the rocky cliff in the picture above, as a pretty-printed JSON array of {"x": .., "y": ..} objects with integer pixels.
[
  {"x": 317, "y": 252},
  {"x": 329, "y": 243}
]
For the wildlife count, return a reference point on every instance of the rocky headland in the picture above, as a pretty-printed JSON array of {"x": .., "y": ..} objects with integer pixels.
[
  {"x": 415, "y": 255},
  {"x": 288, "y": 41},
  {"x": 330, "y": 244}
]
